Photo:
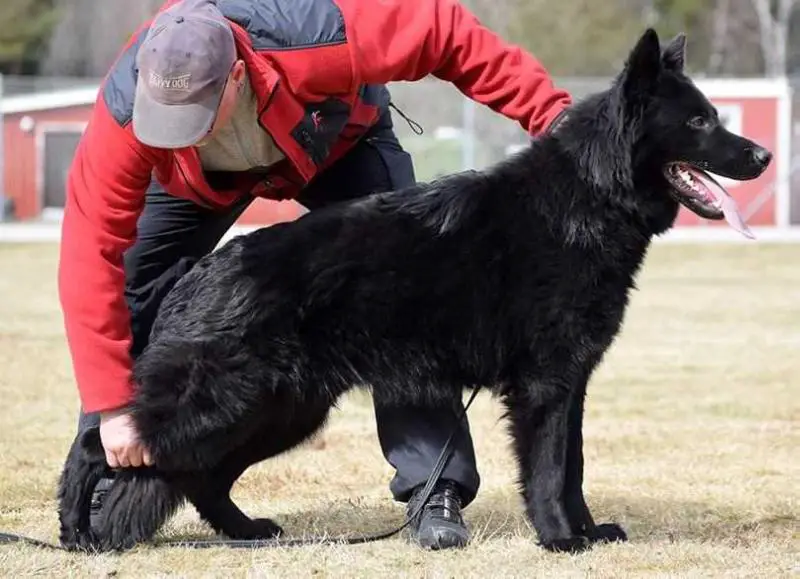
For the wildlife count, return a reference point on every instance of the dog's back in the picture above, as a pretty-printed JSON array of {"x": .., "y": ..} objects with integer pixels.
[{"x": 414, "y": 293}]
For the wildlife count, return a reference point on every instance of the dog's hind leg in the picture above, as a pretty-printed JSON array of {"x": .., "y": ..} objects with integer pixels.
[
  {"x": 580, "y": 517},
  {"x": 84, "y": 467},
  {"x": 210, "y": 492},
  {"x": 538, "y": 410},
  {"x": 141, "y": 500}
]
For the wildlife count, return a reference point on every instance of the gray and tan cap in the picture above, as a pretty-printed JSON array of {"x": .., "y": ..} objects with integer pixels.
[{"x": 183, "y": 64}]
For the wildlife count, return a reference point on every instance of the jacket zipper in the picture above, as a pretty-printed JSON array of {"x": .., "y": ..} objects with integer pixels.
[
  {"x": 286, "y": 156},
  {"x": 205, "y": 201}
]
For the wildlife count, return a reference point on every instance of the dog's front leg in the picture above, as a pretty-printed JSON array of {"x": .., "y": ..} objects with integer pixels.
[
  {"x": 578, "y": 512},
  {"x": 540, "y": 423},
  {"x": 580, "y": 517}
]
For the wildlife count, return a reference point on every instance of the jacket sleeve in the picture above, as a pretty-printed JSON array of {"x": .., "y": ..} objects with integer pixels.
[
  {"x": 395, "y": 40},
  {"x": 105, "y": 195}
]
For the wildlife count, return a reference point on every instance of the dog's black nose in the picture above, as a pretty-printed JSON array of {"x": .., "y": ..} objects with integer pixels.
[{"x": 761, "y": 156}]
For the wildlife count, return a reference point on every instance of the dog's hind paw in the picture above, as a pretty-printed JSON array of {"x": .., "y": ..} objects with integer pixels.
[
  {"x": 74, "y": 540},
  {"x": 257, "y": 529},
  {"x": 608, "y": 533},
  {"x": 119, "y": 544},
  {"x": 266, "y": 529},
  {"x": 567, "y": 545}
]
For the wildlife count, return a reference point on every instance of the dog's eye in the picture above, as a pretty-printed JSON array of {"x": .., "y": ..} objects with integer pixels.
[{"x": 698, "y": 122}]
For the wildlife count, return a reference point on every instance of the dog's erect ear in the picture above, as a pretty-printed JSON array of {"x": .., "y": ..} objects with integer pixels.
[
  {"x": 611, "y": 166},
  {"x": 674, "y": 57},
  {"x": 642, "y": 67}
]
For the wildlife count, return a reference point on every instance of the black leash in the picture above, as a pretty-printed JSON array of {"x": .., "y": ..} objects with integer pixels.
[
  {"x": 415, "y": 126},
  {"x": 436, "y": 473},
  {"x": 6, "y": 538}
]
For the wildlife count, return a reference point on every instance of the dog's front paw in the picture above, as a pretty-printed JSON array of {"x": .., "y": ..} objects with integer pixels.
[
  {"x": 567, "y": 545},
  {"x": 608, "y": 533}
]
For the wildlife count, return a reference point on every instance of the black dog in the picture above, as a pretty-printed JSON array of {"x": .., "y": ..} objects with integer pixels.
[{"x": 516, "y": 278}]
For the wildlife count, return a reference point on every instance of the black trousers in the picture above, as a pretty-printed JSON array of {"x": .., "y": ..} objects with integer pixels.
[{"x": 174, "y": 233}]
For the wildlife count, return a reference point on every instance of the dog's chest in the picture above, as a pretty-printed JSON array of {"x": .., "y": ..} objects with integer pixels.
[{"x": 577, "y": 311}]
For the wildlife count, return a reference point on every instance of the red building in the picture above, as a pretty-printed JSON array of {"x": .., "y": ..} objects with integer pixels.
[{"x": 40, "y": 133}]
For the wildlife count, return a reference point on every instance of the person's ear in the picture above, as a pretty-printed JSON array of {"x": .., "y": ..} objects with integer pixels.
[{"x": 238, "y": 73}]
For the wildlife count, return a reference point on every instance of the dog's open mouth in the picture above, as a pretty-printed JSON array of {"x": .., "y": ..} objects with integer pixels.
[{"x": 703, "y": 195}]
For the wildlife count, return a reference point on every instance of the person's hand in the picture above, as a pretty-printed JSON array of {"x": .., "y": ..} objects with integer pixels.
[{"x": 121, "y": 441}]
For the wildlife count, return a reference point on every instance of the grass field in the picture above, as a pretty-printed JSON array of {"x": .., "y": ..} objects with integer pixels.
[{"x": 692, "y": 443}]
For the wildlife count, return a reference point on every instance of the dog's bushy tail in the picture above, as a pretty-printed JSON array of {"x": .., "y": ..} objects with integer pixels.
[
  {"x": 84, "y": 467},
  {"x": 136, "y": 506},
  {"x": 196, "y": 400},
  {"x": 139, "y": 502}
]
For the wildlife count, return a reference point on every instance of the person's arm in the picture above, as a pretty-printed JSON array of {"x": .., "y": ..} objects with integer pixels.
[
  {"x": 106, "y": 184},
  {"x": 394, "y": 40}
]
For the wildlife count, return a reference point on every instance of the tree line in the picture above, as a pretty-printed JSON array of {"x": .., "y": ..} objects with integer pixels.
[{"x": 572, "y": 37}]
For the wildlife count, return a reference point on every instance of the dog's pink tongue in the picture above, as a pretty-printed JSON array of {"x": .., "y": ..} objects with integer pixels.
[
  {"x": 727, "y": 203},
  {"x": 734, "y": 218}
]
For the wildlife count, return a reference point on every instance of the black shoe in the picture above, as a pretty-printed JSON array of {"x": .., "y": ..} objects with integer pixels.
[
  {"x": 98, "y": 498},
  {"x": 439, "y": 525}
]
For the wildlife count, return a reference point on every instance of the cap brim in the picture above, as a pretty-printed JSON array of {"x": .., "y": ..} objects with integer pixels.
[{"x": 172, "y": 126}]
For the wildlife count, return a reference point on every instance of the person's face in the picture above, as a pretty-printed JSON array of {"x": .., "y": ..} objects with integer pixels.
[{"x": 227, "y": 104}]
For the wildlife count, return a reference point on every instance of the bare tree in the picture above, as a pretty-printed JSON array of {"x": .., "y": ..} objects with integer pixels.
[
  {"x": 742, "y": 42},
  {"x": 494, "y": 14},
  {"x": 773, "y": 22},
  {"x": 719, "y": 34},
  {"x": 83, "y": 46}
]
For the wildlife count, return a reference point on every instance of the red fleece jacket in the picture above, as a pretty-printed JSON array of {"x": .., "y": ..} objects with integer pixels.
[{"x": 387, "y": 40}]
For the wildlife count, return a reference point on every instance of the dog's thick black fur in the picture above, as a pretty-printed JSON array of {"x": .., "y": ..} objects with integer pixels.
[{"x": 515, "y": 278}]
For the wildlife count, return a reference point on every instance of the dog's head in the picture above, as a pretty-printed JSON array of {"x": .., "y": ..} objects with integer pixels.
[{"x": 660, "y": 136}]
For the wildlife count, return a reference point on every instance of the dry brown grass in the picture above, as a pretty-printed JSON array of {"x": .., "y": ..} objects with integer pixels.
[{"x": 691, "y": 442}]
